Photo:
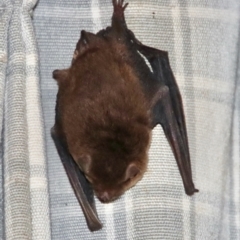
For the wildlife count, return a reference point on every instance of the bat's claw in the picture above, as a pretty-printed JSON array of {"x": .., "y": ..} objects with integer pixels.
[
  {"x": 119, "y": 26},
  {"x": 191, "y": 191},
  {"x": 119, "y": 7}
]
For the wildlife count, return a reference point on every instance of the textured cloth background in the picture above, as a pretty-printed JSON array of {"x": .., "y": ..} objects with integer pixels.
[
  {"x": 26, "y": 209},
  {"x": 202, "y": 38}
]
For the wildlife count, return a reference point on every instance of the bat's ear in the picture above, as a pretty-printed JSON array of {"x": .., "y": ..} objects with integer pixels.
[
  {"x": 60, "y": 75},
  {"x": 86, "y": 41},
  {"x": 131, "y": 172},
  {"x": 85, "y": 161}
]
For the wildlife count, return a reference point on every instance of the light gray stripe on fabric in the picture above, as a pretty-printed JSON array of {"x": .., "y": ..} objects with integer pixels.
[
  {"x": 188, "y": 203},
  {"x": 235, "y": 227},
  {"x": 234, "y": 183},
  {"x": 5, "y": 14},
  {"x": 16, "y": 166},
  {"x": 214, "y": 40},
  {"x": 38, "y": 179}
]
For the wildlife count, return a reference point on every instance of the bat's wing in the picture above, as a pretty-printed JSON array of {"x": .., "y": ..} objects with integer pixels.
[
  {"x": 167, "y": 109},
  {"x": 82, "y": 188}
]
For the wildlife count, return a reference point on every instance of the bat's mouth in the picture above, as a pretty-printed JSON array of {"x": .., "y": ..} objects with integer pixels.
[{"x": 106, "y": 197}]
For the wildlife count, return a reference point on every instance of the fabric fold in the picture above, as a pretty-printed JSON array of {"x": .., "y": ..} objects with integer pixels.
[{"x": 26, "y": 207}]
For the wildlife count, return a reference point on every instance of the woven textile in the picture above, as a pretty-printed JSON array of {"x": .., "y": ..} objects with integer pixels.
[
  {"x": 203, "y": 41},
  {"x": 25, "y": 190}
]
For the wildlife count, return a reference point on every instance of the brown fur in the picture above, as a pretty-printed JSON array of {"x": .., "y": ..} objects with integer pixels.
[{"x": 104, "y": 115}]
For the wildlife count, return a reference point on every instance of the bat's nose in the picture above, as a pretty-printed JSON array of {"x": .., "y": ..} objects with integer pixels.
[{"x": 104, "y": 197}]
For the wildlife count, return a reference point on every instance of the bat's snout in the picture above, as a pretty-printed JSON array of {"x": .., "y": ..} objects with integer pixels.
[{"x": 104, "y": 197}]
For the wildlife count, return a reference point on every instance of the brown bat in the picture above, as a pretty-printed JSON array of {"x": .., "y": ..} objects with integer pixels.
[{"x": 108, "y": 102}]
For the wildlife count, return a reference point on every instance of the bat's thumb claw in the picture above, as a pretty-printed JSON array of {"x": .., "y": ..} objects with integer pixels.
[{"x": 191, "y": 191}]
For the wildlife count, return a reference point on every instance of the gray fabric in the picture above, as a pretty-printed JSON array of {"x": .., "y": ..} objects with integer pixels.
[
  {"x": 5, "y": 17},
  {"x": 16, "y": 169},
  {"x": 202, "y": 38},
  {"x": 26, "y": 209}
]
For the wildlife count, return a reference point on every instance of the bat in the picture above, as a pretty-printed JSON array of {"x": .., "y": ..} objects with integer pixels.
[{"x": 108, "y": 102}]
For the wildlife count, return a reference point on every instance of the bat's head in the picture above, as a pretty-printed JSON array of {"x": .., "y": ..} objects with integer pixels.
[
  {"x": 116, "y": 162},
  {"x": 105, "y": 39},
  {"x": 88, "y": 42}
]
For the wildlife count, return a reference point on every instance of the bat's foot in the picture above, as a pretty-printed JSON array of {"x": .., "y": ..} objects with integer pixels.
[
  {"x": 119, "y": 7},
  {"x": 119, "y": 26}
]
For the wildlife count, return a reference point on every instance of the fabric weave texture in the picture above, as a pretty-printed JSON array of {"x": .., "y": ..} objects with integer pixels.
[{"x": 203, "y": 42}]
